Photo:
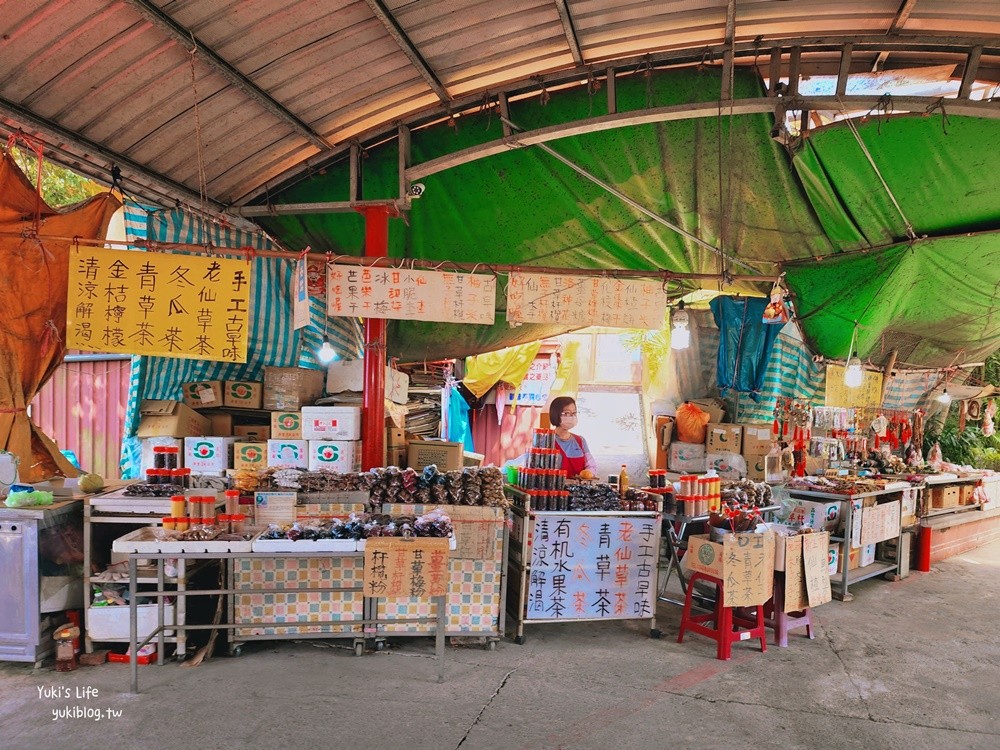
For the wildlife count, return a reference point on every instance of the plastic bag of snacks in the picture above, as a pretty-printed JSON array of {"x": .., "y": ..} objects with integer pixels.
[{"x": 692, "y": 423}]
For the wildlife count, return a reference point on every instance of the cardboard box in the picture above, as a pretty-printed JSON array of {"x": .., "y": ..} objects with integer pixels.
[
  {"x": 664, "y": 432},
  {"x": 335, "y": 455},
  {"x": 945, "y": 497},
  {"x": 756, "y": 439},
  {"x": 146, "y": 446},
  {"x": 755, "y": 467},
  {"x": 243, "y": 394},
  {"x": 965, "y": 493},
  {"x": 249, "y": 456},
  {"x": 286, "y": 425},
  {"x": 724, "y": 438},
  {"x": 252, "y": 432},
  {"x": 395, "y": 437},
  {"x": 291, "y": 388},
  {"x": 292, "y": 454},
  {"x": 208, "y": 455},
  {"x": 222, "y": 423},
  {"x": 816, "y": 466},
  {"x": 472, "y": 459},
  {"x": 349, "y": 375},
  {"x": 331, "y": 422},
  {"x": 687, "y": 457},
  {"x": 821, "y": 516},
  {"x": 170, "y": 419},
  {"x": 744, "y": 561},
  {"x": 447, "y": 456},
  {"x": 395, "y": 455},
  {"x": 203, "y": 394}
]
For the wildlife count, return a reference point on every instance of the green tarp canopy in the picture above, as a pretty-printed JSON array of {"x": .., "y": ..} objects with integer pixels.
[{"x": 723, "y": 179}]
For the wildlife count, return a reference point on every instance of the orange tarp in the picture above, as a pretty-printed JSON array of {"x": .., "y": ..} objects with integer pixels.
[{"x": 33, "y": 278}]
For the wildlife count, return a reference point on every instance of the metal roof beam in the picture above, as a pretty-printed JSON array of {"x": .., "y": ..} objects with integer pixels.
[
  {"x": 745, "y": 51},
  {"x": 396, "y": 32},
  {"x": 570, "y": 31},
  {"x": 696, "y": 110},
  {"x": 60, "y": 134},
  {"x": 898, "y": 21},
  {"x": 230, "y": 73}
]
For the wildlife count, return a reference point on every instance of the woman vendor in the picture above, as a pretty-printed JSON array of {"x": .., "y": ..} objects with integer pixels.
[{"x": 577, "y": 459}]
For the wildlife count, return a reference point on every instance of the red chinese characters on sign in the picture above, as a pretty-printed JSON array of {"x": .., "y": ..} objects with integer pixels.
[{"x": 408, "y": 294}]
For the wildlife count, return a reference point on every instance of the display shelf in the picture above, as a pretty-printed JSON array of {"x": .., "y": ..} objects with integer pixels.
[
  {"x": 934, "y": 512},
  {"x": 841, "y": 582},
  {"x": 869, "y": 571}
]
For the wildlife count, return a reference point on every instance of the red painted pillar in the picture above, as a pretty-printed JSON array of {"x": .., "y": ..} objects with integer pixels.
[
  {"x": 924, "y": 551},
  {"x": 373, "y": 399}
]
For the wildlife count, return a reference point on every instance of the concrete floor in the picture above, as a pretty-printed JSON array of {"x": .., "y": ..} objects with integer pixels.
[{"x": 912, "y": 665}]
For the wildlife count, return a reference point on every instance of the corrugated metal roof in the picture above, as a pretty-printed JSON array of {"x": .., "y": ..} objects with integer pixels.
[{"x": 279, "y": 83}]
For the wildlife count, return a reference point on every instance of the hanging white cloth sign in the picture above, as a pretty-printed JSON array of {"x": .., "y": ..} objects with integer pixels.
[
  {"x": 401, "y": 294},
  {"x": 585, "y": 301}
]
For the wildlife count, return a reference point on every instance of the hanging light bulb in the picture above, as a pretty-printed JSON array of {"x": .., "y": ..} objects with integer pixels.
[
  {"x": 326, "y": 353},
  {"x": 854, "y": 374},
  {"x": 945, "y": 397},
  {"x": 680, "y": 336}
]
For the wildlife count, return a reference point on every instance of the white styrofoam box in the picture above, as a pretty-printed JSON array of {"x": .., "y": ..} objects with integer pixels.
[
  {"x": 820, "y": 516},
  {"x": 305, "y": 545},
  {"x": 208, "y": 455},
  {"x": 331, "y": 422},
  {"x": 147, "y": 445},
  {"x": 292, "y": 454},
  {"x": 867, "y": 555},
  {"x": 112, "y": 623},
  {"x": 726, "y": 465},
  {"x": 335, "y": 455},
  {"x": 348, "y": 375},
  {"x": 687, "y": 457}
]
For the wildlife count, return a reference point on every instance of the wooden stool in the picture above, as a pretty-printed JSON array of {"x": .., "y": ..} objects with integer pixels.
[
  {"x": 723, "y": 633},
  {"x": 782, "y": 622}
]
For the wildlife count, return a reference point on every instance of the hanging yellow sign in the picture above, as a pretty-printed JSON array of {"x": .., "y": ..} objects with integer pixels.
[
  {"x": 158, "y": 304},
  {"x": 869, "y": 393}
]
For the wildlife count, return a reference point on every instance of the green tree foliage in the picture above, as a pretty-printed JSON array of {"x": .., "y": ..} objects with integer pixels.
[
  {"x": 971, "y": 446},
  {"x": 60, "y": 186}
]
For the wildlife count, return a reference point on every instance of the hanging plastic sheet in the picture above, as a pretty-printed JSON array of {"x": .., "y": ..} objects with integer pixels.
[
  {"x": 459, "y": 430},
  {"x": 745, "y": 343}
]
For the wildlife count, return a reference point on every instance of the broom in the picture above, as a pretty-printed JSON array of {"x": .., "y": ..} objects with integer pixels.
[{"x": 205, "y": 652}]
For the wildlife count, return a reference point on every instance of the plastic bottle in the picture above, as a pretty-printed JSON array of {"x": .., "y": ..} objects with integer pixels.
[
  {"x": 772, "y": 465},
  {"x": 623, "y": 481}
]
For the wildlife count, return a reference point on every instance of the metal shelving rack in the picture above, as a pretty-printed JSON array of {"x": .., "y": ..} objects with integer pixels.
[
  {"x": 367, "y": 622},
  {"x": 881, "y": 567},
  {"x": 152, "y": 512}
]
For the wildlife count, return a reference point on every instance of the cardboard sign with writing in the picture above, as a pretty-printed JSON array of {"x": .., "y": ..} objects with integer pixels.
[
  {"x": 879, "y": 523},
  {"x": 585, "y": 301},
  {"x": 158, "y": 304},
  {"x": 869, "y": 393},
  {"x": 817, "y": 572},
  {"x": 796, "y": 598},
  {"x": 399, "y": 294},
  {"x": 414, "y": 567},
  {"x": 475, "y": 530},
  {"x": 300, "y": 299},
  {"x": 744, "y": 562}
]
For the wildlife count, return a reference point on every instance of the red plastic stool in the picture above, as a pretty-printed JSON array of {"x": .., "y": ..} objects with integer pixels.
[
  {"x": 724, "y": 633},
  {"x": 782, "y": 622}
]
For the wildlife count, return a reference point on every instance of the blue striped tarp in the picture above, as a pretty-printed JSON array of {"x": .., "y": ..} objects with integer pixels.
[
  {"x": 272, "y": 340},
  {"x": 791, "y": 373},
  {"x": 906, "y": 390}
]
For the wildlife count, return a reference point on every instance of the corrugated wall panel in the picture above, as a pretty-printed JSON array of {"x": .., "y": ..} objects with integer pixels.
[{"x": 82, "y": 408}]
